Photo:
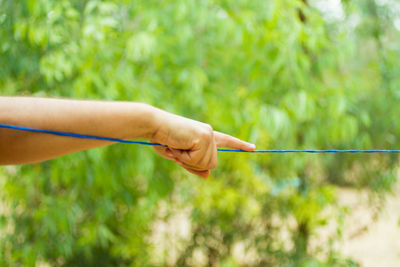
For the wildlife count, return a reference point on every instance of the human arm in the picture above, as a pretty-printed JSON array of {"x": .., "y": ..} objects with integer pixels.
[{"x": 191, "y": 144}]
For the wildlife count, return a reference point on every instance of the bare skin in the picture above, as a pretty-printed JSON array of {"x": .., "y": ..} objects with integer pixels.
[{"x": 191, "y": 144}]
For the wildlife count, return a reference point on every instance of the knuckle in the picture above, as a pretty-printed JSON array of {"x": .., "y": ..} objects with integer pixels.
[
  {"x": 204, "y": 134},
  {"x": 207, "y": 131},
  {"x": 208, "y": 127}
]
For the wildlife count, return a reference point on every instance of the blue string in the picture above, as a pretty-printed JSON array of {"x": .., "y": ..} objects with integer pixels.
[{"x": 75, "y": 135}]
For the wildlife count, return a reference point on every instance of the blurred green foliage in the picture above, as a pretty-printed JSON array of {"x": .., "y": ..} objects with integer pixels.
[{"x": 281, "y": 73}]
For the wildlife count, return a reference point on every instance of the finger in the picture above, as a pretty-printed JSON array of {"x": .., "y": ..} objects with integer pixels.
[
  {"x": 190, "y": 167},
  {"x": 182, "y": 155},
  {"x": 213, "y": 156},
  {"x": 203, "y": 174},
  {"x": 164, "y": 152},
  {"x": 224, "y": 140},
  {"x": 207, "y": 160},
  {"x": 195, "y": 160}
]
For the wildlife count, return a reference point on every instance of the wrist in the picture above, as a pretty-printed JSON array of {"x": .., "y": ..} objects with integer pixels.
[
  {"x": 152, "y": 118},
  {"x": 159, "y": 120}
]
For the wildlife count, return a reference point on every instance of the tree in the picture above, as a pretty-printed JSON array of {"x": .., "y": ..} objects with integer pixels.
[{"x": 277, "y": 73}]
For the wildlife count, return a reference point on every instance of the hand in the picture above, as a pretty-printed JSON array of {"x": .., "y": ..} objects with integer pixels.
[{"x": 192, "y": 144}]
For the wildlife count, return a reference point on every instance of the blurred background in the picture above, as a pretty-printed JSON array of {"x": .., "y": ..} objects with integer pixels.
[{"x": 284, "y": 74}]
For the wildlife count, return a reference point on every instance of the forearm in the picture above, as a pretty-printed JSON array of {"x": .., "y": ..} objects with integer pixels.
[{"x": 124, "y": 120}]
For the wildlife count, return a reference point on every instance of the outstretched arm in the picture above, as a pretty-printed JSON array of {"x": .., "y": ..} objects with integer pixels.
[{"x": 191, "y": 144}]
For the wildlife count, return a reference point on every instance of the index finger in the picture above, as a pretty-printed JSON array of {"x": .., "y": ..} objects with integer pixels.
[{"x": 224, "y": 140}]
